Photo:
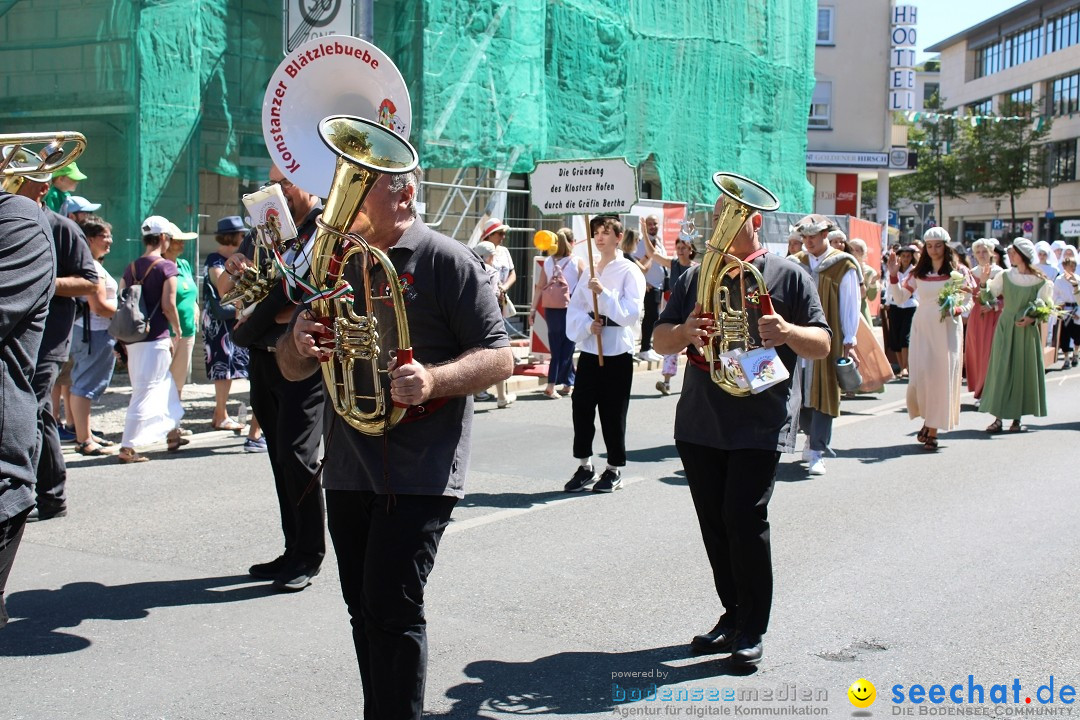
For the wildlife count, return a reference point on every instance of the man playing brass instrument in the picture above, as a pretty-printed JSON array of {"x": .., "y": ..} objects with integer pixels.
[
  {"x": 730, "y": 446},
  {"x": 389, "y": 497},
  {"x": 290, "y": 413}
]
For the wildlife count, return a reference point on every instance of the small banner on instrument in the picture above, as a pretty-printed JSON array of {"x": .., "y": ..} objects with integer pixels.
[
  {"x": 269, "y": 214},
  {"x": 593, "y": 187}
]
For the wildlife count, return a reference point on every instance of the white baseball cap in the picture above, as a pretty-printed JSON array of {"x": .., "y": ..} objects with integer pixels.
[{"x": 158, "y": 225}]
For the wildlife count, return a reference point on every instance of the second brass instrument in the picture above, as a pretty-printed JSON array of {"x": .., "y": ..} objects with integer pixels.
[{"x": 730, "y": 311}]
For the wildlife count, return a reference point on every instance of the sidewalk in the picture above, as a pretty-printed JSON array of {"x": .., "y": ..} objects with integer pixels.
[{"x": 108, "y": 413}]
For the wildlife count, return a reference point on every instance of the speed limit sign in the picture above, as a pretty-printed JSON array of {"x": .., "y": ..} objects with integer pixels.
[{"x": 308, "y": 19}]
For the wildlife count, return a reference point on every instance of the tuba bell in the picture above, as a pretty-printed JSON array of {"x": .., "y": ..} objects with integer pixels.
[
  {"x": 365, "y": 151},
  {"x": 730, "y": 313},
  {"x": 20, "y": 158}
]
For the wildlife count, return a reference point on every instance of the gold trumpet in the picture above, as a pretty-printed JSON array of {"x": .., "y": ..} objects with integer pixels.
[
  {"x": 366, "y": 151},
  {"x": 731, "y": 326},
  {"x": 19, "y": 160}
]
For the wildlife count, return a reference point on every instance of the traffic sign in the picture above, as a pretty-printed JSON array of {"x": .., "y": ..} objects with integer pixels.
[
  {"x": 305, "y": 20},
  {"x": 894, "y": 218},
  {"x": 1028, "y": 226},
  {"x": 997, "y": 224}
]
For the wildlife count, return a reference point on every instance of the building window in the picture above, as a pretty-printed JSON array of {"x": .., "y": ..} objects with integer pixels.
[
  {"x": 1065, "y": 95},
  {"x": 1062, "y": 162},
  {"x": 1012, "y": 50},
  {"x": 825, "y": 26},
  {"x": 982, "y": 107},
  {"x": 1063, "y": 31},
  {"x": 821, "y": 107}
]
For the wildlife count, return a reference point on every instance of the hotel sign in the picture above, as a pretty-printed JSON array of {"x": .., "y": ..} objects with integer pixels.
[
  {"x": 902, "y": 58},
  {"x": 817, "y": 158}
]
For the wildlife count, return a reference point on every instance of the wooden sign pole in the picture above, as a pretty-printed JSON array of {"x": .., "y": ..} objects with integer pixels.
[{"x": 595, "y": 304}]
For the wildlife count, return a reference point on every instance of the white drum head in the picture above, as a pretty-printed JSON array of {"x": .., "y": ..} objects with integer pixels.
[{"x": 333, "y": 75}]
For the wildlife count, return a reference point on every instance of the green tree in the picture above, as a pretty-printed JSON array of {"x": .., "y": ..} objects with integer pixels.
[{"x": 1005, "y": 155}]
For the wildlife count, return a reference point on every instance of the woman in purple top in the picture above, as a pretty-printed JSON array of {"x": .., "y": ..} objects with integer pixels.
[{"x": 154, "y": 411}]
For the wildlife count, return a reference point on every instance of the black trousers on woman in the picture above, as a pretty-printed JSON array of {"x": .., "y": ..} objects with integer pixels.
[
  {"x": 731, "y": 491},
  {"x": 607, "y": 390}
]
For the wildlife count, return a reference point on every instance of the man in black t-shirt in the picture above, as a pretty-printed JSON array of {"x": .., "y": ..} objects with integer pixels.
[
  {"x": 290, "y": 413},
  {"x": 76, "y": 276},
  {"x": 27, "y": 283},
  {"x": 730, "y": 446},
  {"x": 389, "y": 497}
]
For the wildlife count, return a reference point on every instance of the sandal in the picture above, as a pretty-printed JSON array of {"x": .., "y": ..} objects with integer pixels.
[
  {"x": 91, "y": 448},
  {"x": 930, "y": 445},
  {"x": 229, "y": 424},
  {"x": 923, "y": 435},
  {"x": 175, "y": 441},
  {"x": 552, "y": 394},
  {"x": 994, "y": 428},
  {"x": 101, "y": 441},
  {"x": 128, "y": 455},
  {"x": 1017, "y": 427}
]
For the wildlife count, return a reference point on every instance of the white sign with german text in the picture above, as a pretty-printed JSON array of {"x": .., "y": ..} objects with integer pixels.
[
  {"x": 1070, "y": 228},
  {"x": 569, "y": 187}
]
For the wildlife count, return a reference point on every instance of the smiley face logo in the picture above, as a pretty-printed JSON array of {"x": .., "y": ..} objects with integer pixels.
[{"x": 862, "y": 693}]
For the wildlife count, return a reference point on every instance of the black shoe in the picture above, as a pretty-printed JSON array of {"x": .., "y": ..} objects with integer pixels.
[
  {"x": 720, "y": 639},
  {"x": 610, "y": 481},
  {"x": 296, "y": 577},
  {"x": 747, "y": 650},
  {"x": 269, "y": 570},
  {"x": 582, "y": 478},
  {"x": 40, "y": 513}
]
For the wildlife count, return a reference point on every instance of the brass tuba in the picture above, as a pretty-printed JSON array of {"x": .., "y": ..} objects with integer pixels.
[
  {"x": 731, "y": 315},
  {"x": 365, "y": 151},
  {"x": 20, "y": 159}
]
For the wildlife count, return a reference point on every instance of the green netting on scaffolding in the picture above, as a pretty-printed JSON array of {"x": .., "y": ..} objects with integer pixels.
[{"x": 695, "y": 86}]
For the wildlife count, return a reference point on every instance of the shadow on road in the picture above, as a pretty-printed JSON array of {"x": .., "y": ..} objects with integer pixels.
[
  {"x": 576, "y": 683},
  {"x": 653, "y": 454},
  {"x": 510, "y": 499},
  {"x": 38, "y": 615}
]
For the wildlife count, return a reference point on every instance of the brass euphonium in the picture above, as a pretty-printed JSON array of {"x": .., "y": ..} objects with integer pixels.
[
  {"x": 20, "y": 159},
  {"x": 366, "y": 151},
  {"x": 731, "y": 315}
]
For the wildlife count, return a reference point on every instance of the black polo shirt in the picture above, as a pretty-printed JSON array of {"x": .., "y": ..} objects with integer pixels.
[
  {"x": 73, "y": 259},
  {"x": 450, "y": 309},
  {"x": 707, "y": 415},
  {"x": 27, "y": 282}
]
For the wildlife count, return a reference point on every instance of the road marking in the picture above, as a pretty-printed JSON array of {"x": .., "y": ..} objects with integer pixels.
[{"x": 498, "y": 515}]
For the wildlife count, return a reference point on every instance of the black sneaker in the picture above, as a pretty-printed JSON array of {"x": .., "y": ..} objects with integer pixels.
[
  {"x": 269, "y": 570},
  {"x": 583, "y": 477},
  {"x": 295, "y": 577},
  {"x": 610, "y": 481},
  {"x": 47, "y": 513}
]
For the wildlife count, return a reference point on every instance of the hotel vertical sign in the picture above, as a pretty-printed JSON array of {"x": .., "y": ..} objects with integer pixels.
[{"x": 902, "y": 58}]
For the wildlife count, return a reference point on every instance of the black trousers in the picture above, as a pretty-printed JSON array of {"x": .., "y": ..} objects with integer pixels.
[
  {"x": 291, "y": 416},
  {"x": 731, "y": 491},
  {"x": 51, "y": 469},
  {"x": 607, "y": 390},
  {"x": 649, "y": 316},
  {"x": 11, "y": 531},
  {"x": 385, "y": 549}
]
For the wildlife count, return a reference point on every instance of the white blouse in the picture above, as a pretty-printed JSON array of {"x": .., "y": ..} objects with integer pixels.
[{"x": 622, "y": 301}]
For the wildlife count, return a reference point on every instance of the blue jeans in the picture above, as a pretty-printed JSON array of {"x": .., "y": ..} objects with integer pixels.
[{"x": 561, "y": 366}]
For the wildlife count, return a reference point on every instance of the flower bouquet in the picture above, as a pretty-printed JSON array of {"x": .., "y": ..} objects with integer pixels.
[
  {"x": 951, "y": 297},
  {"x": 1041, "y": 311},
  {"x": 987, "y": 299}
]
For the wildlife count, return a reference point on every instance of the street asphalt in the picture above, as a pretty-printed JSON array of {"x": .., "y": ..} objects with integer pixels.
[{"x": 898, "y": 566}]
